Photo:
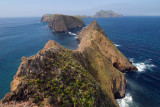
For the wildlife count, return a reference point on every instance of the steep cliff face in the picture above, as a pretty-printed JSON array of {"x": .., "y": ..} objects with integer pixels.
[
  {"x": 105, "y": 61},
  {"x": 58, "y": 76},
  {"x": 62, "y": 23},
  {"x": 46, "y": 18},
  {"x": 94, "y": 36}
]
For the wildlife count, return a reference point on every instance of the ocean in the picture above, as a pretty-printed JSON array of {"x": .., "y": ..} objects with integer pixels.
[{"x": 138, "y": 38}]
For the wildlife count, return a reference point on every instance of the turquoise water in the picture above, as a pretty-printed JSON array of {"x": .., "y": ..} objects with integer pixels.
[{"x": 136, "y": 37}]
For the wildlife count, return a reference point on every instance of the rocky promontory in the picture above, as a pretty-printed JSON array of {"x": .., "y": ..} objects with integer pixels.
[
  {"x": 62, "y": 23},
  {"x": 56, "y": 76},
  {"x": 105, "y": 14},
  {"x": 46, "y": 18}
]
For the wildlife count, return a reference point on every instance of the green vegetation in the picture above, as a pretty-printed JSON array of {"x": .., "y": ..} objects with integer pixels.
[
  {"x": 65, "y": 80},
  {"x": 85, "y": 77}
]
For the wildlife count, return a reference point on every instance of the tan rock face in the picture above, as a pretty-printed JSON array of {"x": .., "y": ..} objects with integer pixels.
[
  {"x": 62, "y": 23},
  {"x": 88, "y": 76},
  {"x": 95, "y": 36},
  {"x": 104, "y": 59},
  {"x": 46, "y": 18}
]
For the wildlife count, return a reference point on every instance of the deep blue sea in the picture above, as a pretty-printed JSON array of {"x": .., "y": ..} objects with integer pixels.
[{"x": 138, "y": 38}]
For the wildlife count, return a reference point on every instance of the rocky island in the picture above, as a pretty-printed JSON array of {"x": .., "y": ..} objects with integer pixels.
[
  {"x": 105, "y": 14},
  {"x": 56, "y": 76},
  {"x": 62, "y": 23}
]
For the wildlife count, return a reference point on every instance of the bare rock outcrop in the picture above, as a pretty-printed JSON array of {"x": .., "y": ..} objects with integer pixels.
[
  {"x": 94, "y": 36},
  {"x": 46, "y": 18},
  {"x": 62, "y": 23},
  {"x": 88, "y": 76}
]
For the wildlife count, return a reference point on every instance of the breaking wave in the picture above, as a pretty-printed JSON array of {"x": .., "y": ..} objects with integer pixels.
[
  {"x": 124, "y": 102},
  {"x": 142, "y": 66},
  {"x": 117, "y": 45},
  {"x": 72, "y": 33},
  {"x": 76, "y": 37}
]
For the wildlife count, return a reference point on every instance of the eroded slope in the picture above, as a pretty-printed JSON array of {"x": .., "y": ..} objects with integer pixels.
[{"x": 88, "y": 76}]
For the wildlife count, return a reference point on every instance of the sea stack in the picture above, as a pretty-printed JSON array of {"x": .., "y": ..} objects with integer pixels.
[
  {"x": 56, "y": 76},
  {"x": 63, "y": 23}
]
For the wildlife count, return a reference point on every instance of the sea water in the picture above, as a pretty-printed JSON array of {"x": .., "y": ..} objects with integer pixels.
[{"x": 138, "y": 38}]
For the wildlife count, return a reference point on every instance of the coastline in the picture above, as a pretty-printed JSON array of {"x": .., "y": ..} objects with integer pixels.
[{"x": 123, "y": 46}]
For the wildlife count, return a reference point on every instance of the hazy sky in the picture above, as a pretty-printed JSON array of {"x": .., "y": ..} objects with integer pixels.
[{"x": 23, "y": 8}]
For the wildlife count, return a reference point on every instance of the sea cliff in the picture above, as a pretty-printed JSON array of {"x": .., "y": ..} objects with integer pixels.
[
  {"x": 62, "y": 23},
  {"x": 46, "y": 17},
  {"x": 56, "y": 76}
]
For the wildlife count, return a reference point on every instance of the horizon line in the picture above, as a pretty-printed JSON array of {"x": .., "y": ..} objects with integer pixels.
[{"x": 80, "y": 15}]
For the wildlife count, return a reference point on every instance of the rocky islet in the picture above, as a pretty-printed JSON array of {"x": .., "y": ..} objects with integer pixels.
[{"x": 62, "y": 23}]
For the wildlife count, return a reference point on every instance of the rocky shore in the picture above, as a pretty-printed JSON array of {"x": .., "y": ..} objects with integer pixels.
[{"x": 56, "y": 76}]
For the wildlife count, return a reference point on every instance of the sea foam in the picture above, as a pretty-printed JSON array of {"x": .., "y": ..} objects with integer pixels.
[
  {"x": 117, "y": 45},
  {"x": 142, "y": 66},
  {"x": 124, "y": 102},
  {"x": 72, "y": 33}
]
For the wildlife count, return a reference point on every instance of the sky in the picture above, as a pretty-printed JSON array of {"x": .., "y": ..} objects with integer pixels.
[{"x": 33, "y": 8}]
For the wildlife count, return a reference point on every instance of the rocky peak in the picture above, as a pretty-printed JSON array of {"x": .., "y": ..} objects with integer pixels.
[
  {"x": 94, "y": 25},
  {"x": 52, "y": 44},
  {"x": 88, "y": 76},
  {"x": 94, "y": 36}
]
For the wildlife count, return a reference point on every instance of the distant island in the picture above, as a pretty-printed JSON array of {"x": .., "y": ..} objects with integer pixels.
[
  {"x": 105, "y": 14},
  {"x": 99, "y": 14},
  {"x": 62, "y": 23},
  {"x": 46, "y": 17}
]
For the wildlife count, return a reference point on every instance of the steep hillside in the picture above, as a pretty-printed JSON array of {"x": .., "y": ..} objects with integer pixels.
[
  {"x": 62, "y": 23},
  {"x": 56, "y": 76},
  {"x": 46, "y": 18}
]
